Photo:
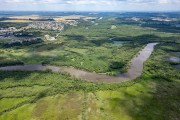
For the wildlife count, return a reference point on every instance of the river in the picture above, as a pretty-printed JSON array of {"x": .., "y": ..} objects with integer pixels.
[{"x": 133, "y": 72}]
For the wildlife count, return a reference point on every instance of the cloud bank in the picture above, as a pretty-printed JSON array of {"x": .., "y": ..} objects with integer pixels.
[{"x": 90, "y": 5}]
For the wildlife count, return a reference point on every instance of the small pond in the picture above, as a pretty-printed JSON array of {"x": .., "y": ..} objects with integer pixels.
[{"x": 174, "y": 59}]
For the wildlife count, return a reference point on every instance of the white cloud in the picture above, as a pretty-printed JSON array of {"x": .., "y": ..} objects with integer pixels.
[
  {"x": 90, "y": 5},
  {"x": 163, "y": 1},
  {"x": 86, "y": 1}
]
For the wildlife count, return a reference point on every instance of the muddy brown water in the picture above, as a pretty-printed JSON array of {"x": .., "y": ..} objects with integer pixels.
[{"x": 133, "y": 72}]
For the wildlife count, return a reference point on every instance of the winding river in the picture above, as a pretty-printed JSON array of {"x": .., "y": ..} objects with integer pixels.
[{"x": 133, "y": 72}]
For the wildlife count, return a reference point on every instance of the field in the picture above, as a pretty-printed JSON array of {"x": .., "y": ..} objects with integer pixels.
[
  {"x": 92, "y": 47},
  {"x": 17, "y": 21}
]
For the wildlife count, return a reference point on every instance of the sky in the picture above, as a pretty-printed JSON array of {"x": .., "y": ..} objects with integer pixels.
[{"x": 90, "y": 5}]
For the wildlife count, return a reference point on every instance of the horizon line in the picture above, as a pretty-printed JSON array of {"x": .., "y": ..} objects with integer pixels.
[{"x": 83, "y": 11}]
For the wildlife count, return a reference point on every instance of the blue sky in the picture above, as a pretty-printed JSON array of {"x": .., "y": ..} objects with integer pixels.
[{"x": 89, "y": 5}]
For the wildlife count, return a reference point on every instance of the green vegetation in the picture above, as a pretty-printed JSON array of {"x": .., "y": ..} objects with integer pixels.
[
  {"x": 59, "y": 96},
  {"x": 91, "y": 49},
  {"x": 12, "y": 24},
  {"x": 45, "y": 95}
]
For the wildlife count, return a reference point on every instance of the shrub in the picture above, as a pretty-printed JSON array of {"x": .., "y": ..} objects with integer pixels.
[
  {"x": 116, "y": 65},
  {"x": 8, "y": 63},
  {"x": 48, "y": 70},
  {"x": 65, "y": 74}
]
